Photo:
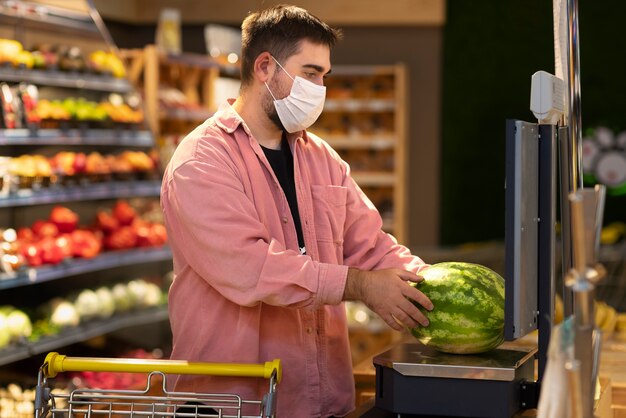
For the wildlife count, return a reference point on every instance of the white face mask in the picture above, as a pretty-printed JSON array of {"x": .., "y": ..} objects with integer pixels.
[{"x": 302, "y": 107}]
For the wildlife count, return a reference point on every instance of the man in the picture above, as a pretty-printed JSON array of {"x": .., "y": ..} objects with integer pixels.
[{"x": 270, "y": 233}]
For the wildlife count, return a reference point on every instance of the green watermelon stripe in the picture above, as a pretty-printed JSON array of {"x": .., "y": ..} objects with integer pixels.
[
  {"x": 471, "y": 289},
  {"x": 490, "y": 319},
  {"x": 452, "y": 301},
  {"x": 484, "y": 278},
  {"x": 469, "y": 308},
  {"x": 462, "y": 321},
  {"x": 483, "y": 275}
]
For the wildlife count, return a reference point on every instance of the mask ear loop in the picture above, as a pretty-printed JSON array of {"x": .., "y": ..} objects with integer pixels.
[
  {"x": 283, "y": 68},
  {"x": 268, "y": 89}
]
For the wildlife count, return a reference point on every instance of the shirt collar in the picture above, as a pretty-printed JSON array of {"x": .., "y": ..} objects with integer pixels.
[{"x": 229, "y": 120}]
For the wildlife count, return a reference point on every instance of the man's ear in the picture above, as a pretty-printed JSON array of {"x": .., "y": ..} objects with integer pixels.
[{"x": 264, "y": 67}]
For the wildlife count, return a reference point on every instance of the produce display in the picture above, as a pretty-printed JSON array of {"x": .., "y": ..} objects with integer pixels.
[
  {"x": 123, "y": 228},
  {"x": 88, "y": 304},
  {"x": 80, "y": 307},
  {"x": 60, "y": 237},
  {"x": 22, "y": 105},
  {"x": 18, "y": 106},
  {"x": 12, "y": 52},
  {"x": 613, "y": 233},
  {"x": 608, "y": 320},
  {"x": 23, "y": 108},
  {"x": 16, "y": 402},
  {"x": 15, "y": 325},
  {"x": 72, "y": 129},
  {"x": 52, "y": 112},
  {"x": 468, "y": 316},
  {"x": 60, "y": 58},
  {"x": 35, "y": 172}
]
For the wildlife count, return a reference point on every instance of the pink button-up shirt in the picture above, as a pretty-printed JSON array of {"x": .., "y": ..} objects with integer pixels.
[{"x": 242, "y": 291}]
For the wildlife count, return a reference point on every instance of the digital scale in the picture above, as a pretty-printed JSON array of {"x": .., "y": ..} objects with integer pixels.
[{"x": 413, "y": 380}]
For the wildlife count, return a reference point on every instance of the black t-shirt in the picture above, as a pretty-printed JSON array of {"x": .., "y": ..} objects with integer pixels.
[{"x": 282, "y": 163}]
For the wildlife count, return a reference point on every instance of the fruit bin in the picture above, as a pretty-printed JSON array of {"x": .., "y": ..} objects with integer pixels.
[
  {"x": 73, "y": 138},
  {"x": 150, "y": 402}
]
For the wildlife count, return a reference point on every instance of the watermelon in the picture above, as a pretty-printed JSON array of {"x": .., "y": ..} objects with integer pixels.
[{"x": 468, "y": 314}]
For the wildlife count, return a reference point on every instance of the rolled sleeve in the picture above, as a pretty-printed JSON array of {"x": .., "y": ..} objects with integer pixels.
[{"x": 332, "y": 283}]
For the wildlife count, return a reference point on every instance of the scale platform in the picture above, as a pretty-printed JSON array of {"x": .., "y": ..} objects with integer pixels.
[{"x": 417, "y": 381}]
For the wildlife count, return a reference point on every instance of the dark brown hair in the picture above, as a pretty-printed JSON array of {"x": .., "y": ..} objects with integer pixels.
[{"x": 279, "y": 30}]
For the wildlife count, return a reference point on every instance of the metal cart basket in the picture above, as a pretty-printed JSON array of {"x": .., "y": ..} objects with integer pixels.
[{"x": 97, "y": 403}]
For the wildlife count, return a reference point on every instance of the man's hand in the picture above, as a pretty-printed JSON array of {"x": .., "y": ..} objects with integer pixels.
[{"x": 385, "y": 292}]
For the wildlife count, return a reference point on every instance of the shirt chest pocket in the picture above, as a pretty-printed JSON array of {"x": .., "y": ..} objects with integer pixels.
[{"x": 329, "y": 212}]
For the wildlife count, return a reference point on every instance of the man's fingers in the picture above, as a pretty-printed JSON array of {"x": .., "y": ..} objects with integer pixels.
[
  {"x": 414, "y": 313},
  {"x": 414, "y": 294},
  {"x": 405, "y": 318},
  {"x": 408, "y": 276},
  {"x": 391, "y": 321},
  {"x": 395, "y": 302}
]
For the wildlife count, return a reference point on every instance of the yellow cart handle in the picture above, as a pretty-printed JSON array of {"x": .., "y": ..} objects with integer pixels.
[{"x": 56, "y": 363}]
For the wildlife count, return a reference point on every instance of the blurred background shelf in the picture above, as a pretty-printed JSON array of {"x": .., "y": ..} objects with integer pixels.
[
  {"x": 107, "y": 137},
  {"x": 105, "y": 260},
  {"x": 89, "y": 191},
  {"x": 34, "y": 16},
  {"x": 369, "y": 179},
  {"x": 75, "y": 146},
  {"x": 375, "y": 142},
  {"x": 66, "y": 79},
  {"x": 183, "y": 114},
  {"x": 188, "y": 59},
  {"x": 83, "y": 332},
  {"x": 364, "y": 120}
]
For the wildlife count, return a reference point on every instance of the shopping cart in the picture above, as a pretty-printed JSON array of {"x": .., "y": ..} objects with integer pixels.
[{"x": 93, "y": 402}]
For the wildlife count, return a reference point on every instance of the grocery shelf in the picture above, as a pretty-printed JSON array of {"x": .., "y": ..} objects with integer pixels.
[
  {"x": 13, "y": 353},
  {"x": 375, "y": 142},
  {"x": 57, "y": 78},
  {"x": 109, "y": 137},
  {"x": 185, "y": 114},
  {"x": 359, "y": 105},
  {"x": 83, "y": 332},
  {"x": 362, "y": 70},
  {"x": 89, "y": 191},
  {"x": 369, "y": 179},
  {"x": 104, "y": 261},
  {"x": 39, "y": 17},
  {"x": 364, "y": 120},
  {"x": 199, "y": 61},
  {"x": 388, "y": 225},
  {"x": 76, "y": 25}
]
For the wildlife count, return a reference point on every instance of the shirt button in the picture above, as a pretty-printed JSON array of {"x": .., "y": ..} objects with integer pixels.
[
  {"x": 309, "y": 330},
  {"x": 285, "y": 220}
]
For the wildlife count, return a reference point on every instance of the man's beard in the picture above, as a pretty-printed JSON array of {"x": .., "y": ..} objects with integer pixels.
[{"x": 268, "y": 104}]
